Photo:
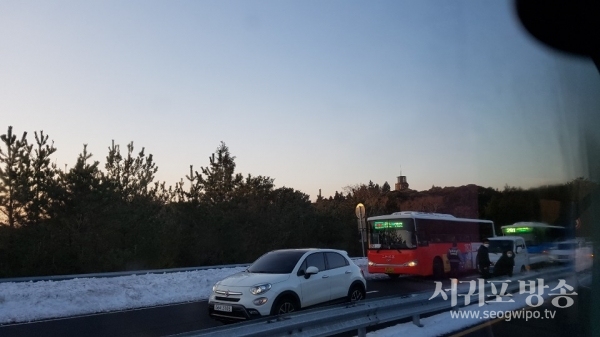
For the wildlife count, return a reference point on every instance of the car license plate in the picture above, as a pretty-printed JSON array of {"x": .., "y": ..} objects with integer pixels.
[
  {"x": 389, "y": 269},
  {"x": 223, "y": 307}
]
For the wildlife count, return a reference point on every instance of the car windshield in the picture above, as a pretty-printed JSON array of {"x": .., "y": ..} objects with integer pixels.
[
  {"x": 278, "y": 262},
  {"x": 500, "y": 246}
]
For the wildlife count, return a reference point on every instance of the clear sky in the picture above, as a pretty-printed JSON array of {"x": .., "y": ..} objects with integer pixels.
[{"x": 315, "y": 94}]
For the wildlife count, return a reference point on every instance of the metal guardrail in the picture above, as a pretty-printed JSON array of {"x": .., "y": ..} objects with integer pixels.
[{"x": 361, "y": 315}]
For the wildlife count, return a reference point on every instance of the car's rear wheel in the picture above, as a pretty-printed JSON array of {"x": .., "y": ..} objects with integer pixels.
[
  {"x": 356, "y": 293},
  {"x": 284, "y": 305}
]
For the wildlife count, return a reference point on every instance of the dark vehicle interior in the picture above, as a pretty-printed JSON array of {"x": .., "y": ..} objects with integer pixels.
[{"x": 573, "y": 27}]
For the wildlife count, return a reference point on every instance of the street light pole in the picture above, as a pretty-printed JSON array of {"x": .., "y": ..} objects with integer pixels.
[{"x": 360, "y": 214}]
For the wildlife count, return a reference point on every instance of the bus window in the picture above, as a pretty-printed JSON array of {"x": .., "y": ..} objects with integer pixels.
[
  {"x": 463, "y": 238},
  {"x": 392, "y": 234}
]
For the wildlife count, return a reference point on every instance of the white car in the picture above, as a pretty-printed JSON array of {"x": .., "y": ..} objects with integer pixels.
[
  {"x": 573, "y": 251},
  {"x": 283, "y": 281}
]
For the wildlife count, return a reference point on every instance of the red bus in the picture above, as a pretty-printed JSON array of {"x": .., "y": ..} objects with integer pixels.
[{"x": 416, "y": 243}]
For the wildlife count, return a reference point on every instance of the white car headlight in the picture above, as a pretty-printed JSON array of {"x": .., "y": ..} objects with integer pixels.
[{"x": 260, "y": 289}]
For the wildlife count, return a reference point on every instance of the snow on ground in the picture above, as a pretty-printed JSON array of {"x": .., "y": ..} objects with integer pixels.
[{"x": 32, "y": 301}]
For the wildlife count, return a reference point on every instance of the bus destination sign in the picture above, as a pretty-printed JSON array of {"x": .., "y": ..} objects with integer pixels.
[
  {"x": 388, "y": 224},
  {"x": 518, "y": 230}
]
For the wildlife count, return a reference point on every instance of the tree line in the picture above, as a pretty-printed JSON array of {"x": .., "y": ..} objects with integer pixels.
[{"x": 91, "y": 219}]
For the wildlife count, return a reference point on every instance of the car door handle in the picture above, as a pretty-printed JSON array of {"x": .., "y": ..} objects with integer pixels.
[
  {"x": 325, "y": 276},
  {"x": 348, "y": 272}
]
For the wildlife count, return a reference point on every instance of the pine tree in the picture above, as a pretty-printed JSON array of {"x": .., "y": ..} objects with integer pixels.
[
  {"x": 219, "y": 180},
  {"x": 131, "y": 176},
  {"x": 15, "y": 178},
  {"x": 385, "y": 188},
  {"x": 44, "y": 187}
]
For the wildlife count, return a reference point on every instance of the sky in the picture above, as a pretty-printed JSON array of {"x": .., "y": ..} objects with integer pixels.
[
  {"x": 446, "y": 94},
  {"x": 31, "y": 301}
]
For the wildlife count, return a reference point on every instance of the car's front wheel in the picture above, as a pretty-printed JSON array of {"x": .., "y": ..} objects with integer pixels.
[
  {"x": 284, "y": 305},
  {"x": 356, "y": 293}
]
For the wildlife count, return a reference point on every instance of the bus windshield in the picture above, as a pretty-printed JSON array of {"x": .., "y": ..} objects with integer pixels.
[{"x": 392, "y": 234}]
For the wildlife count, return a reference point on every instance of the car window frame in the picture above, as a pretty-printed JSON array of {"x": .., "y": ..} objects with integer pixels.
[
  {"x": 327, "y": 265},
  {"x": 304, "y": 265}
]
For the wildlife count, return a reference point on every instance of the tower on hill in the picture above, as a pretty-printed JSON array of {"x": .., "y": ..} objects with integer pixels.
[{"x": 401, "y": 184}]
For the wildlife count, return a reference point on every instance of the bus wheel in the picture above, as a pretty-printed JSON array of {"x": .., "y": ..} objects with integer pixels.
[
  {"x": 438, "y": 268},
  {"x": 393, "y": 276}
]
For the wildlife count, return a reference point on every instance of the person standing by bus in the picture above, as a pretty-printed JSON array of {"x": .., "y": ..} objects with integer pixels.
[
  {"x": 454, "y": 257},
  {"x": 483, "y": 259},
  {"x": 505, "y": 265}
]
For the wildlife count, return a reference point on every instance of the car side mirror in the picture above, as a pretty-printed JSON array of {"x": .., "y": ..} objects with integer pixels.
[
  {"x": 310, "y": 271},
  {"x": 518, "y": 250}
]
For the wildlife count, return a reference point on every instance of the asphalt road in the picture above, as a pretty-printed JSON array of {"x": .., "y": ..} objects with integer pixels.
[{"x": 174, "y": 319}]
